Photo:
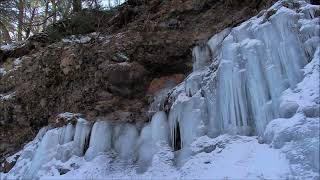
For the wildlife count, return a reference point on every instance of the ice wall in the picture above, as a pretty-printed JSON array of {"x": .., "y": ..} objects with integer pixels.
[
  {"x": 250, "y": 67},
  {"x": 240, "y": 75}
]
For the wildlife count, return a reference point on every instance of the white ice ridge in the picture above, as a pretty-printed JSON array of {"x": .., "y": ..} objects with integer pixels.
[{"x": 259, "y": 79}]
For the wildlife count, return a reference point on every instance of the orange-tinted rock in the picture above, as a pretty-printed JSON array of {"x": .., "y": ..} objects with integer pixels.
[{"x": 162, "y": 82}]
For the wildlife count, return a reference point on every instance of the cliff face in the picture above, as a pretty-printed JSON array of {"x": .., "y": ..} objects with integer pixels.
[{"x": 108, "y": 75}]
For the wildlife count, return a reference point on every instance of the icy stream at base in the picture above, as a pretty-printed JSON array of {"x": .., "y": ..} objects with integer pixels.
[{"x": 259, "y": 79}]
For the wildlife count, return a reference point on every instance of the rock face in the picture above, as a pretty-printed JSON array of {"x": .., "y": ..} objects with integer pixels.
[{"x": 108, "y": 76}]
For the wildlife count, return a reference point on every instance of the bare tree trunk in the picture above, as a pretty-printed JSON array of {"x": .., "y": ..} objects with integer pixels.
[
  {"x": 54, "y": 8},
  {"x": 46, "y": 11},
  {"x": 20, "y": 18},
  {"x": 28, "y": 31},
  {"x": 76, "y": 4},
  {"x": 6, "y": 34}
]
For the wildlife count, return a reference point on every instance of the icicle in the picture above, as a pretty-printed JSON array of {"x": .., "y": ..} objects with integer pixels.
[
  {"x": 125, "y": 138},
  {"x": 151, "y": 136},
  {"x": 44, "y": 153},
  {"x": 159, "y": 127},
  {"x": 81, "y": 136},
  {"x": 100, "y": 139},
  {"x": 201, "y": 57},
  {"x": 69, "y": 133}
]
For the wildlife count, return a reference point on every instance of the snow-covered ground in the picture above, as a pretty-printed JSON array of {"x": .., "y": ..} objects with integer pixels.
[{"x": 231, "y": 157}]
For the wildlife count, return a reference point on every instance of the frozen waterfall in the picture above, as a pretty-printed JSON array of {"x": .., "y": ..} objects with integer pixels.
[{"x": 239, "y": 83}]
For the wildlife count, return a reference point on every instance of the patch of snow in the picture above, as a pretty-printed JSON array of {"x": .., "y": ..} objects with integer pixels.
[
  {"x": 6, "y": 97},
  {"x": 123, "y": 56},
  {"x": 75, "y": 39},
  {"x": 239, "y": 158},
  {"x": 17, "y": 61},
  {"x": 298, "y": 138},
  {"x": 7, "y": 47},
  {"x": 307, "y": 91},
  {"x": 2, "y": 72},
  {"x": 68, "y": 115}
]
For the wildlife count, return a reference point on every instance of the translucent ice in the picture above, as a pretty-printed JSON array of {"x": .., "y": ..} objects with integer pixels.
[
  {"x": 100, "y": 139},
  {"x": 125, "y": 138},
  {"x": 81, "y": 136}
]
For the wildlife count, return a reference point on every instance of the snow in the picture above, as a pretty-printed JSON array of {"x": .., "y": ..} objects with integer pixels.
[
  {"x": 3, "y": 72},
  {"x": 237, "y": 157},
  {"x": 7, "y": 96},
  {"x": 298, "y": 138},
  {"x": 307, "y": 91},
  {"x": 17, "y": 61},
  {"x": 78, "y": 39},
  {"x": 68, "y": 115},
  {"x": 8, "y": 47}
]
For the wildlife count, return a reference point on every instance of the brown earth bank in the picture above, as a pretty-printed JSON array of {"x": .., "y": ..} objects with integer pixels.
[{"x": 109, "y": 76}]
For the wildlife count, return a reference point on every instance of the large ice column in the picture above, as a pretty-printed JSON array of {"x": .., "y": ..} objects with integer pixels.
[
  {"x": 152, "y": 135},
  {"x": 190, "y": 114},
  {"x": 125, "y": 137},
  {"x": 145, "y": 148},
  {"x": 100, "y": 139},
  {"x": 293, "y": 58},
  {"x": 232, "y": 110},
  {"x": 215, "y": 43},
  {"x": 160, "y": 127},
  {"x": 45, "y": 152},
  {"x": 193, "y": 83},
  {"x": 81, "y": 136},
  {"x": 201, "y": 56},
  {"x": 69, "y": 133},
  {"x": 259, "y": 60},
  {"x": 66, "y": 133}
]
